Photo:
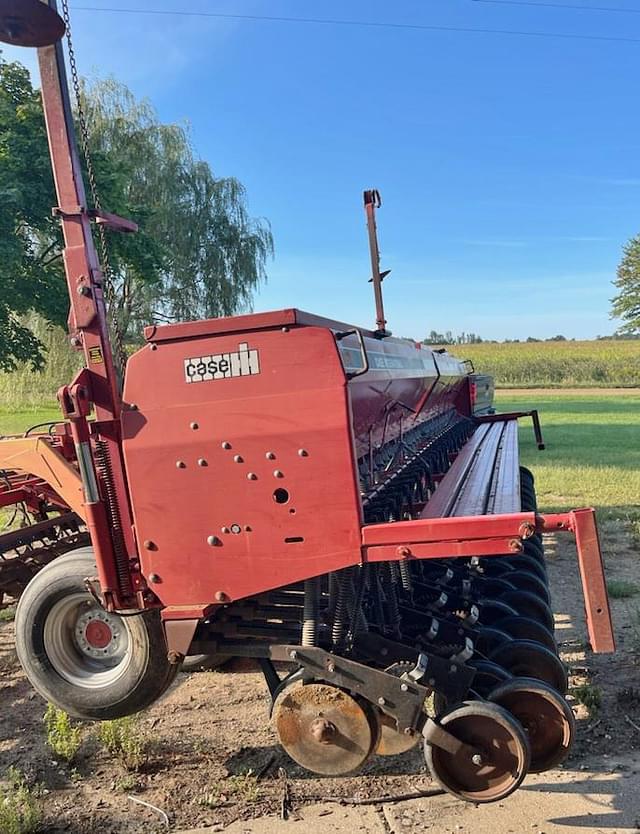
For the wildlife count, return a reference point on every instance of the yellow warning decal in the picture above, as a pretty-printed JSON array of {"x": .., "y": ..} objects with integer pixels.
[{"x": 95, "y": 355}]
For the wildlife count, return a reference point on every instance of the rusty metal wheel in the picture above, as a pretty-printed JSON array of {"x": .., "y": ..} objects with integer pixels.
[
  {"x": 546, "y": 717},
  {"x": 325, "y": 729},
  {"x": 391, "y": 742},
  {"x": 501, "y": 760}
]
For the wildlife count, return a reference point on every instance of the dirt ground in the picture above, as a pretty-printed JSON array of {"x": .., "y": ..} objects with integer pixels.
[{"x": 213, "y": 760}]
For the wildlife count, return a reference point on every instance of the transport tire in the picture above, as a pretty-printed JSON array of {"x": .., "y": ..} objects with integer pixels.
[
  {"x": 90, "y": 663},
  {"x": 203, "y": 662},
  {"x": 503, "y": 753}
]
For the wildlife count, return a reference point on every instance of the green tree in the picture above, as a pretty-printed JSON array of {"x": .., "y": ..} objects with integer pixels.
[
  {"x": 626, "y": 304},
  {"x": 198, "y": 252},
  {"x": 30, "y": 271},
  {"x": 209, "y": 255}
]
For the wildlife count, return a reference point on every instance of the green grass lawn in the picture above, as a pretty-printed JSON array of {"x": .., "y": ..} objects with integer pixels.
[
  {"x": 593, "y": 449},
  {"x": 16, "y": 422}
]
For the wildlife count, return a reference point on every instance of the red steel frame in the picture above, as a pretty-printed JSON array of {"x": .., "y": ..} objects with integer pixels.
[{"x": 97, "y": 388}]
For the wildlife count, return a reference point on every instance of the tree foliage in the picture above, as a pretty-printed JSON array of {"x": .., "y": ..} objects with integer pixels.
[
  {"x": 626, "y": 304},
  {"x": 30, "y": 273},
  {"x": 198, "y": 252}
]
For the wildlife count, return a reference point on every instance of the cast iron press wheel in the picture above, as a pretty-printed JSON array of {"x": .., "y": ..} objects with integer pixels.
[
  {"x": 325, "y": 729},
  {"x": 545, "y": 715},
  {"x": 501, "y": 761},
  {"x": 92, "y": 664}
]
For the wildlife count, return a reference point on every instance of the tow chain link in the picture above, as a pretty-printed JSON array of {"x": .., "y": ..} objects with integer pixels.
[{"x": 109, "y": 290}]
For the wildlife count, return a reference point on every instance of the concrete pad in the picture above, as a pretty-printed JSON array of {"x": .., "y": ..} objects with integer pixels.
[
  {"x": 309, "y": 819},
  {"x": 557, "y": 802}
]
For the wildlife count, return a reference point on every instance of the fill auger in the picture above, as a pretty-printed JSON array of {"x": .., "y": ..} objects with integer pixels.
[{"x": 285, "y": 487}]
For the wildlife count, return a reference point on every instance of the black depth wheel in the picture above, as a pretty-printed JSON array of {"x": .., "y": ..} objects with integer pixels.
[
  {"x": 525, "y": 659},
  {"x": 546, "y": 717},
  {"x": 92, "y": 664},
  {"x": 501, "y": 761}
]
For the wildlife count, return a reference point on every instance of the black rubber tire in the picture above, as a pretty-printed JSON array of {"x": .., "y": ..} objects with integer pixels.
[
  {"x": 203, "y": 662},
  {"x": 144, "y": 678}
]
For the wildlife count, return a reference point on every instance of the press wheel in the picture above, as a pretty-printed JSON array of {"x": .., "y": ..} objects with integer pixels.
[
  {"x": 526, "y": 659},
  {"x": 500, "y": 763},
  {"x": 325, "y": 729},
  {"x": 524, "y": 628},
  {"x": 546, "y": 717}
]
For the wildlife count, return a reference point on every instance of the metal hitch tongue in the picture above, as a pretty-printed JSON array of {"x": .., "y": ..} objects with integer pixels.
[{"x": 29, "y": 23}]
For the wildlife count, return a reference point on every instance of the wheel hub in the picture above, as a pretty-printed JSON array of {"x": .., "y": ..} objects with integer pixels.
[{"x": 98, "y": 635}]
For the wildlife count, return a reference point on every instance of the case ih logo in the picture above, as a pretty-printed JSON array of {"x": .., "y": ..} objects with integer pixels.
[{"x": 243, "y": 362}]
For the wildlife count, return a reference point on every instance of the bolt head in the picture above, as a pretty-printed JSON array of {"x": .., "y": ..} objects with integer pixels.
[
  {"x": 194, "y": 426},
  {"x": 251, "y": 476},
  {"x": 225, "y": 444},
  {"x": 303, "y": 453},
  {"x": 477, "y": 759},
  {"x": 270, "y": 456},
  {"x": 404, "y": 687},
  {"x": 220, "y": 596},
  {"x": 213, "y": 541},
  {"x": 202, "y": 462},
  {"x": 180, "y": 464},
  {"x": 238, "y": 459},
  {"x": 154, "y": 578},
  {"x": 382, "y": 701},
  {"x": 293, "y": 654},
  {"x": 277, "y": 473}
]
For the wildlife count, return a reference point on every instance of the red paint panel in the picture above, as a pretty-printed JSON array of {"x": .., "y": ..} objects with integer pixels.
[{"x": 287, "y": 428}]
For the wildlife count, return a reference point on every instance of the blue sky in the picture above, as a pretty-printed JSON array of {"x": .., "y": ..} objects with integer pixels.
[{"x": 509, "y": 165}]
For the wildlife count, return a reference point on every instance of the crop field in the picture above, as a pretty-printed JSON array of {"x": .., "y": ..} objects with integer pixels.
[{"x": 605, "y": 363}]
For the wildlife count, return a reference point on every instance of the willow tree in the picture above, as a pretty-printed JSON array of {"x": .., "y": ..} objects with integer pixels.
[
  {"x": 198, "y": 252},
  {"x": 205, "y": 255},
  {"x": 626, "y": 305}
]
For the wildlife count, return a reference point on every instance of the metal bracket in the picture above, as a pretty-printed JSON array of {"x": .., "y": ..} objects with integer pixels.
[{"x": 401, "y": 699}]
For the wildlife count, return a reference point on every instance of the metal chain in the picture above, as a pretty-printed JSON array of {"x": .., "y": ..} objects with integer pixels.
[{"x": 109, "y": 291}]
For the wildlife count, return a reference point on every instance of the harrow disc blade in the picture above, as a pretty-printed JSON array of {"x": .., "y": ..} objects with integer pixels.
[
  {"x": 545, "y": 715},
  {"x": 29, "y": 23}
]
